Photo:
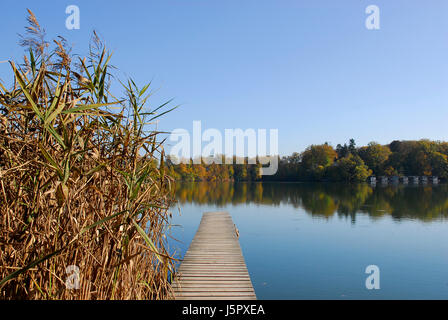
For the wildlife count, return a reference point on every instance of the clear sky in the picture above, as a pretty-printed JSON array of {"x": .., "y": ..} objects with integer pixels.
[{"x": 311, "y": 69}]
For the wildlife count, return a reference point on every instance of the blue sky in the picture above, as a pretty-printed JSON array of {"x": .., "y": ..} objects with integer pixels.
[{"x": 308, "y": 68}]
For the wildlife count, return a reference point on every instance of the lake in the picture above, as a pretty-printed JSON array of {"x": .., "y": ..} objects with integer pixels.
[{"x": 315, "y": 240}]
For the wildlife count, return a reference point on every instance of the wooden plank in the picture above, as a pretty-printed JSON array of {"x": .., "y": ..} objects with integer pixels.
[
  {"x": 210, "y": 294},
  {"x": 215, "y": 298},
  {"x": 214, "y": 284},
  {"x": 214, "y": 266}
]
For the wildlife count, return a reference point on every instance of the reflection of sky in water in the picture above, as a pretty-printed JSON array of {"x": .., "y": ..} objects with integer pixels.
[{"x": 292, "y": 254}]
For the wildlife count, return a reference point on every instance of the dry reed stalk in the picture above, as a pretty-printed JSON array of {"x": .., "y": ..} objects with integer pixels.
[{"x": 79, "y": 184}]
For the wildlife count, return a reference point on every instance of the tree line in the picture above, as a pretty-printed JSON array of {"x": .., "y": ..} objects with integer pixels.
[{"x": 325, "y": 163}]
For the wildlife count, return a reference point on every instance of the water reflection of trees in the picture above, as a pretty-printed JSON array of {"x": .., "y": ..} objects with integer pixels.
[{"x": 326, "y": 199}]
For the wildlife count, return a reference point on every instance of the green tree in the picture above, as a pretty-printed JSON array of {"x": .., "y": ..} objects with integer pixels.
[
  {"x": 350, "y": 168},
  {"x": 439, "y": 164},
  {"x": 375, "y": 156},
  {"x": 317, "y": 156}
]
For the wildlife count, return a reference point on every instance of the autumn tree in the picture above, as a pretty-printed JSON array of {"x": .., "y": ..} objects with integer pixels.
[{"x": 375, "y": 156}]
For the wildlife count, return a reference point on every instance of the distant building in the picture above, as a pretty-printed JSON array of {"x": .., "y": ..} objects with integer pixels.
[
  {"x": 394, "y": 179},
  {"x": 414, "y": 179},
  {"x": 384, "y": 180},
  {"x": 403, "y": 179}
]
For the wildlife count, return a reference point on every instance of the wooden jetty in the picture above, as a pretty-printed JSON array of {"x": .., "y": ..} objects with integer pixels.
[{"x": 213, "y": 267}]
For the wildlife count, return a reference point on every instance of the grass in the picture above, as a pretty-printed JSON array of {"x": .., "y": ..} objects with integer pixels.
[{"x": 81, "y": 184}]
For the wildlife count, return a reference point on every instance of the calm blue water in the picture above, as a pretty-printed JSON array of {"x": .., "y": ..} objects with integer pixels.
[{"x": 314, "y": 241}]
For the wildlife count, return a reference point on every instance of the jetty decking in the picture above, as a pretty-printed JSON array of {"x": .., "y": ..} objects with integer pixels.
[{"x": 214, "y": 267}]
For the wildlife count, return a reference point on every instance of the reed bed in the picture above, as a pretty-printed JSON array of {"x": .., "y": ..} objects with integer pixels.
[{"x": 82, "y": 185}]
